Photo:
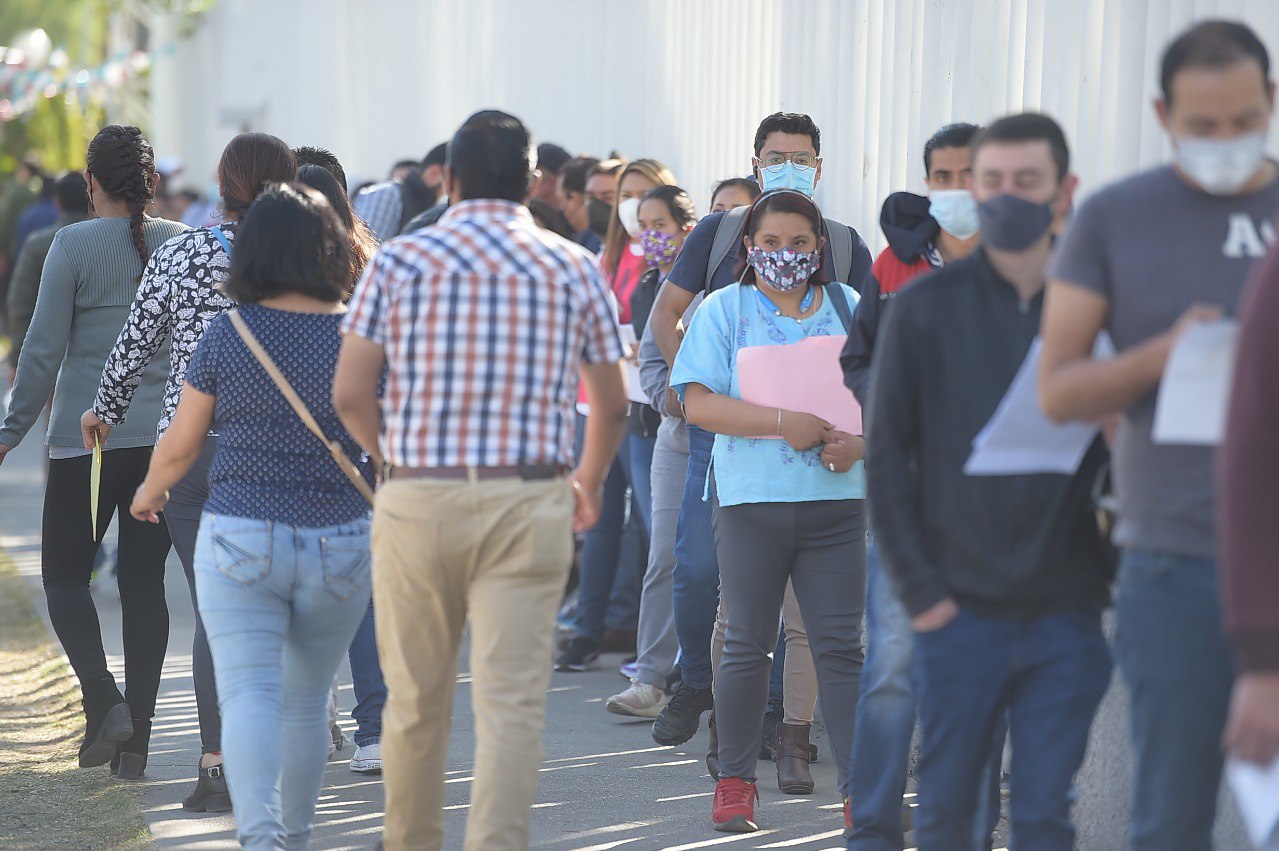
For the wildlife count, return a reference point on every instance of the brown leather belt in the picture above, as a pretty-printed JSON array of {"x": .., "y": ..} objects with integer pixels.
[{"x": 526, "y": 472}]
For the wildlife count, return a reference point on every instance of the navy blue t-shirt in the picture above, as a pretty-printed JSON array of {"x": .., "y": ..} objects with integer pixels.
[
  {"x": 689, "y": 272},
  {"x": 269, "y": 466}
]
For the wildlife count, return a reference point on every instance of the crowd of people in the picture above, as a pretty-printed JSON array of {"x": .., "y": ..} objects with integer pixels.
[{"x": 510, "y": 386}]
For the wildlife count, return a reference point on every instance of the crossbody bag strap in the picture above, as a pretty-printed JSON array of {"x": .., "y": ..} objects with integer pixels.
[
  {"x": 345, "y": 464},
  {"x": 217, "y": 232}
]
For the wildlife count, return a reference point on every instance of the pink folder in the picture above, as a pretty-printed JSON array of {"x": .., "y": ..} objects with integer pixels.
[{"x": 804, "y": 376}]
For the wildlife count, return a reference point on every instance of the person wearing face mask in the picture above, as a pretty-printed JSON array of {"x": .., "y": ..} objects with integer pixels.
[
  {"x": 787, "y": 147},
  {"x": 659, "y": 459},
  {"x": 601, "y": 197},
  {"x": 787, "y": 486},
  {"x": 1004, "y": 577},
  {"x": 624, "y": 264},
  {"x": 387, "y": 208},
  {"x": 924, "y": 233},
  {"x": 1146, "y": 259}
]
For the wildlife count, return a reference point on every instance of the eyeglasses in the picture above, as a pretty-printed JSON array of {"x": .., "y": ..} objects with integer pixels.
[{"x": 803, "y": 159}]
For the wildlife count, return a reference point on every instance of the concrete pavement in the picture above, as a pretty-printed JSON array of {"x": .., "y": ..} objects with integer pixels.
[{"x": 605, "y": 784}]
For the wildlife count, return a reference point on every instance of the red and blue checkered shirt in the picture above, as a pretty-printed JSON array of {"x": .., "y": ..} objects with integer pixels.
[{"x": 485, "y": 319}]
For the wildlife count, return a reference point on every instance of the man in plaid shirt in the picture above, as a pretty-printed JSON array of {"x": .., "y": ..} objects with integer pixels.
[{"x": 483, "y": 324}]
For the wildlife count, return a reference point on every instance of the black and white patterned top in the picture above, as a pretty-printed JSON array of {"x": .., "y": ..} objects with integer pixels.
[{"x": 179, "y": 296}]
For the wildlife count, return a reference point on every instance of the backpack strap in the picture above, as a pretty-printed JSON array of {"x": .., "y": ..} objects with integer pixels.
[
  {"x": 727, "y": 233},
  {"x": 839, "y": 301},
  {"x": 841, "y": 250},
  {"x": 216, "y": 230}
]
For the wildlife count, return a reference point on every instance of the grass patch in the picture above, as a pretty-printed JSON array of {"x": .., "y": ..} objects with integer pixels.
[{"x": 46, "y": 799}]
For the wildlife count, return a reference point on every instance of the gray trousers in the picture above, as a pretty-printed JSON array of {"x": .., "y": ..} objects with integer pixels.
[
  {"x": 821, "y": 548},
  {"x": 182, "y": 516},
  {"x": 657, "y": 643}
]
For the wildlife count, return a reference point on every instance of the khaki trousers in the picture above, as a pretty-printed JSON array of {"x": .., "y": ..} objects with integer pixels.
[{"x": 496, "y": 552}]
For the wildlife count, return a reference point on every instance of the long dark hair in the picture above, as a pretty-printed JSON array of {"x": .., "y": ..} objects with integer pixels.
[
  {"x": 780, "y": 201},
  {"x": 250, "y": 162},
  {"x": 363, "y": 243},
  {"x": 121, "y": 160}
]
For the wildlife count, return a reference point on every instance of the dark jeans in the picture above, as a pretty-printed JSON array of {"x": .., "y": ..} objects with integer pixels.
[
  {"x": 821, "y": 548},
  {"x": 602, "y": 548},
  {"x": 182, "y": 516},
  {"x": 696, "y": 584},
  {"x": 1048, "y": 674},
  {"x": 67, "y": 552},
  {"x": 1177, "y": 666},
  {"x": 367, "y": 682}
]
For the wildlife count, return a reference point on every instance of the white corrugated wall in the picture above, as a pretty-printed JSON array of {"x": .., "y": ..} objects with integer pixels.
[{"x": 685, "y": 81}]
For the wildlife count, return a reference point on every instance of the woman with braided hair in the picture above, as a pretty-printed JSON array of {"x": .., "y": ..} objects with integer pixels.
[
  {"x": 89, "y": 280},
  {"x": 179, "y": 297}
]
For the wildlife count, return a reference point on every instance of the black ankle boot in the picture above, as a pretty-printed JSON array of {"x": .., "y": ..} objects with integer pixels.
[
  {"x": 211, "y": 794},
  {"x": 130, "y": 760},
  {"x": 107, "y": 721}
]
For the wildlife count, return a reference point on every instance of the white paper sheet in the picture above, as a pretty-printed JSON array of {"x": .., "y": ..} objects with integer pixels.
[
  {"x": 1020, "y": 440},
  {"x": 1256, "y": 790},
  {"x": 1195, "y": 391},
  {"x": 634, "y": 388}
]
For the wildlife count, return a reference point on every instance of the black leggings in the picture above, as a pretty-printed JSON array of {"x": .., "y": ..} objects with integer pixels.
[
  {"x": 67, "y": 555},
  {"x": 182, "y": 517}
]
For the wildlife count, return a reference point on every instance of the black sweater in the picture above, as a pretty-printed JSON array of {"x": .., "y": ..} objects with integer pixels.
[{"x": 951, "y": 344}]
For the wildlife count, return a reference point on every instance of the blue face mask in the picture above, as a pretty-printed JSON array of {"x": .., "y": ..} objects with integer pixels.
[
  {"x": 955, "y": 211},
  {"x": 789, "y": 176}
]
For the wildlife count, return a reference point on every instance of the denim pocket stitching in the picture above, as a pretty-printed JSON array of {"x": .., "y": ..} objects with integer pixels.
[
  {"x": 354, "y": 575},
  {"x": 240, "y": 557}
]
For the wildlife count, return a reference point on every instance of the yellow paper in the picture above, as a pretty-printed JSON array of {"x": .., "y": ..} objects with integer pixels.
[{"x": 95, "y": 482}]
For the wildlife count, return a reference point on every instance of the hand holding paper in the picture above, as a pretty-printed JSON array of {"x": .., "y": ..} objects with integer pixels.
[
  {"x": 804, "y": 377},
  {"x": 95, "y": 485},
  {"x": 1195, "y": 391}
]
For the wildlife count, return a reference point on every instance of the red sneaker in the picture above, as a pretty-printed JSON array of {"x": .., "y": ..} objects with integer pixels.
[
  {"x": 734, "y": 810},
  {"x": 848, "y": 817}
]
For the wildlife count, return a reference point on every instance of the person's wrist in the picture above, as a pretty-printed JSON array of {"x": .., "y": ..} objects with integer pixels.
[{"x": 587, "y": 485}]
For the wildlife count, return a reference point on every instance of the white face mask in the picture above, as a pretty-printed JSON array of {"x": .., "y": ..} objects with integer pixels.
[
  {"x": 955, "y": 211},
  {"x": 1221, "y": 166},
  {"x": 628, "y": 212}
]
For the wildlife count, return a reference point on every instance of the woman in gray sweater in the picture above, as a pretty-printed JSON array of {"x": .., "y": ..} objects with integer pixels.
[{"x": 89, "y": 280}]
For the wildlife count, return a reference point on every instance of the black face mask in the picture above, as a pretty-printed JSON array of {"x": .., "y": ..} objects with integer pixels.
[{"x": 598, "y": 215}]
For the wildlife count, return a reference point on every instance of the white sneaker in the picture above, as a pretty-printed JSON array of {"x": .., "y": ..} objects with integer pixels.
[
  {"x": 367, "y": 759},
  {"x": 641, "y": 700}
]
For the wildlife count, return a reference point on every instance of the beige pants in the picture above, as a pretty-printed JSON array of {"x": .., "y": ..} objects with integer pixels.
[
  {"x": 496, "y": 552},
  {"x": 799, "y": 674}
]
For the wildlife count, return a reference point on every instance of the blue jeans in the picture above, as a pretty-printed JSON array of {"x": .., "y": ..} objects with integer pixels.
[
  {"x": 367, "y": 682},
  {"x": 280, "y": 605},
  {"x": 602, "y": 553},
  {"x": 1048, "y": 673},
  {"x": 1177, "y": 666},
  {"x": 885, "y": 718},
  {"x": 696, "y": 583}
]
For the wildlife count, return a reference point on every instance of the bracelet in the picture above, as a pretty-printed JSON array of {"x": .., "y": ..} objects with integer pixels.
[{"x": 779, "y": 422}]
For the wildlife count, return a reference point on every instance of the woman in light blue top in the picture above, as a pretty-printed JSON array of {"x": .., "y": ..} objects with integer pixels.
[{"x": 789, "y": 490}]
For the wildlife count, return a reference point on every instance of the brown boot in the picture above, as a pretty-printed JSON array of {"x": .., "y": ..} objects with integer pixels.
[
  {"x": 712, "y": 751},
  {"x": 793, "y": 776}
]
